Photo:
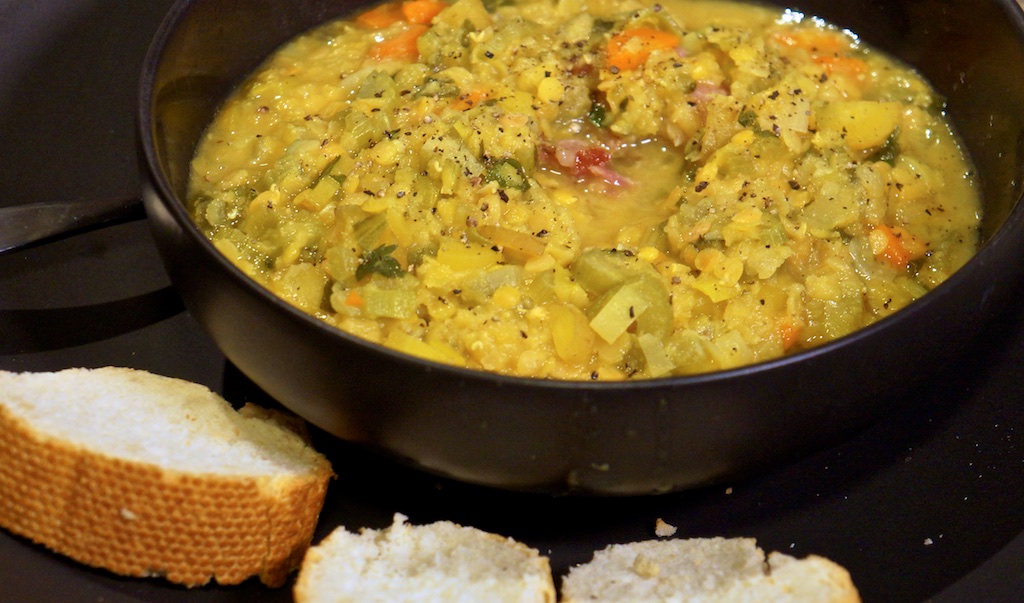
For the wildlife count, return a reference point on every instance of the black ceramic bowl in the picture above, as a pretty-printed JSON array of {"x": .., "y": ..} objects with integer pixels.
[{"x": 610, "y": 438}]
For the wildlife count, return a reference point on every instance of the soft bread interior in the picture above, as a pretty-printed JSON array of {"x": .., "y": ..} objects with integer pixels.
[
  {"x": 147, "y": 418},
  {"x": 713, "y": 570},
  {"x": 441, "y": 562}
]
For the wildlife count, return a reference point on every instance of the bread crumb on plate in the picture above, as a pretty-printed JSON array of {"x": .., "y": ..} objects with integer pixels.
[{"x": 663, "y": 529}]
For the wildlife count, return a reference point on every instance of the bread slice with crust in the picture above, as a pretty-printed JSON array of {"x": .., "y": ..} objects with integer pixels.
[
  {"x": 710, "y": 570},
  {"x": 146, "y": 475},
  {"x": 441, "y": 562}
]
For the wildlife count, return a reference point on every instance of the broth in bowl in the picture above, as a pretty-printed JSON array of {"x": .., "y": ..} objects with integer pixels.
[{"x": 587, "y": 190}]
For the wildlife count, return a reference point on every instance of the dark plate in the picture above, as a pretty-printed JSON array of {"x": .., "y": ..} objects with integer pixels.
[{"x": 927, "y": 503}]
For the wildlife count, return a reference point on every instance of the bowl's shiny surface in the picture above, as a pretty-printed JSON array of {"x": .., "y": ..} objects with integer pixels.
[{"x": 636, "y": 437}]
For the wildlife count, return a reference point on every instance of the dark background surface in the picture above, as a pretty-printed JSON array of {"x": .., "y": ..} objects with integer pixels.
[{"x": 927, "y": 503}]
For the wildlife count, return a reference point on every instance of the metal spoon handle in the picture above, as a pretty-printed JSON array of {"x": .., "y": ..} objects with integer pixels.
[{"x": 24, "y": 225}]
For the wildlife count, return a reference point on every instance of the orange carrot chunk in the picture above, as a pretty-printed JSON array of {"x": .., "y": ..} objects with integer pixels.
[
  {"x": 422, "y": 11},
  {"x": 896, "y": 246},
  {"x": 789, "y": 334},
  {"x": 828, "y": 49},
  {"x": 401, "y": 46},
  {"x": 842, "y": 65},
  {"x": 468, "y": 100},
  {"x": 355, "y": 300},
  {"x": 630, "y": 48}
]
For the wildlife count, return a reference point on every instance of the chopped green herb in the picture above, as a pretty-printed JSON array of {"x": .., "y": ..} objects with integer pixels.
[
  {"x": 508, "y": 173},
  {"x": 890, "y": 149},
  {"x": 597, "y": 114},
  {"x": 327, "y": 172},
  {"x": 379, "y": 261}
]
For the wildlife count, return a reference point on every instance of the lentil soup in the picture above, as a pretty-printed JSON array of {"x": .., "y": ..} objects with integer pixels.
[{"x": 587, "y": 189}]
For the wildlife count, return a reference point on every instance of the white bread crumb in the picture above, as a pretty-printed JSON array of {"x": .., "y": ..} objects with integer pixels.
[{"x": 663, "y": 529}]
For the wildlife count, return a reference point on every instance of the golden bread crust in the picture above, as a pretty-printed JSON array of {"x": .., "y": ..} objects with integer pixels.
[{"x": 138, "y": 519}]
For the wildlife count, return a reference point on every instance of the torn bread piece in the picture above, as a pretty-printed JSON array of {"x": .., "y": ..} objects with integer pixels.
[
  {"x": 440, "y": 562},
  {"x": 146, "y": 475},
  {"x": 710, "y": 570}
]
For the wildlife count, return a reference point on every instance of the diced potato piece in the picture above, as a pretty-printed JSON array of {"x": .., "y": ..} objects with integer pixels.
[
  {"x": 566, "y": 288},
  {"x": 866, "y": 124},
  {"x": 317, "y": 197},
  {"x": 615, "y": 311},
  {"x": 835, "y": 304},
  {"x": 620, "y": 309},
  {"x": 658, "y": 361},
  {"x": 731, "y": 350},
  {"x": 435, "y": 350},
  {"x": 230, "y": 250},
  {"x": 716, "y": 289},
  {"x": 572, "y": 337},
  {"x": 302, "y": 285},
  {"x": 467, "y": 257},
  {"x": 462, "y": 11},
  {"x": 657, "y": 319}
]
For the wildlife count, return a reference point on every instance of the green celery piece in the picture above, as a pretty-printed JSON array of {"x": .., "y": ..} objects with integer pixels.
[{"x": 598, "y": 270}]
